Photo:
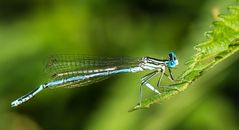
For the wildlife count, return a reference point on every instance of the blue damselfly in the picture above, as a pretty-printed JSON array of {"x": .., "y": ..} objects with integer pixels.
[{"x": 71, "y": 71}]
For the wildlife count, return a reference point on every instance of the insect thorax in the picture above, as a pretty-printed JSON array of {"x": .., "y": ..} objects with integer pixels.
[{"x": 149, "y": 63}]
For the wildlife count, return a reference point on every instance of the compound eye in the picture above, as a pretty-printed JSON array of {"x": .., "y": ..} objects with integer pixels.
[
  {"x": 170, "y": 56},
  {"x": 172, "y": 63}
]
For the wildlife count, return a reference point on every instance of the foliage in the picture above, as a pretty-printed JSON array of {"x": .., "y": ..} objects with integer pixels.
[{"x": 222, "y": 41}]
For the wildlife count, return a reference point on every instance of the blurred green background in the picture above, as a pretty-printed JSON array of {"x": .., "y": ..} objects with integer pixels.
[{"x": 30, "y": 31}]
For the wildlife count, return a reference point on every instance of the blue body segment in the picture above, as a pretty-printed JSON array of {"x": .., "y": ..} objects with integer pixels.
[{"x": 83, "y": 77}]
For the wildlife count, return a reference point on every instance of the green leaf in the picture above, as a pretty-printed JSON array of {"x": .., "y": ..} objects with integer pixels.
[{"x": 222, "y": 41}]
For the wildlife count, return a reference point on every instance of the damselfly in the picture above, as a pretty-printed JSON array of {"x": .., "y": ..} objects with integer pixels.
[{"x": 74, "y": 71}]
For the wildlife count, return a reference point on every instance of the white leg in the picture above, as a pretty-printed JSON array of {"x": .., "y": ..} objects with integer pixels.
[
  {"x": 144, "y": 81},
  {"x": 152, "y": 88},
  {"x": 161, "y": 76}
]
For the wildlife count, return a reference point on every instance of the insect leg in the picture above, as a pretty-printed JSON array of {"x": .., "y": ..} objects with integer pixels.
[
  {"x": 152, "y": 88},
  {"x": 170, "y": 73},
  {"x": 169, "y": 77},
  {"x": 148, "y": 76},
  {"x": 161, "y": 76},
  {"x": 144, "y": 81}
]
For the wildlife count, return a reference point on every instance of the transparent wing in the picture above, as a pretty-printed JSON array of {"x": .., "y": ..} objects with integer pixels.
[
  {"x": 66, "y": 66},
  {"x": 84, "y": 82}
]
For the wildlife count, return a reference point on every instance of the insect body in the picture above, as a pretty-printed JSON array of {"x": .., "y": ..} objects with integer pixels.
[{"x": 74, "y": 71}]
